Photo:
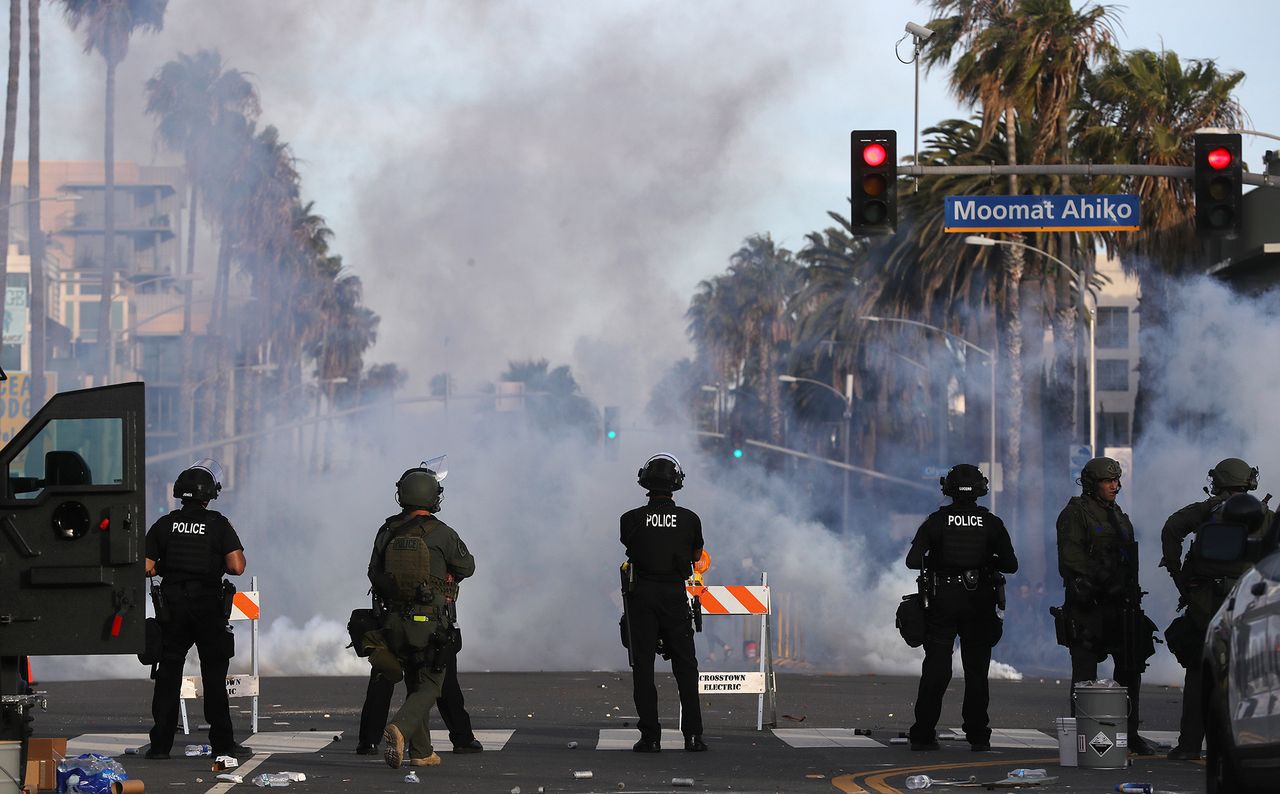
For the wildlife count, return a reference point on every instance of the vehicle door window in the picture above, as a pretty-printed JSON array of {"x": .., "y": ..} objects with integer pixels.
[{"x": 68, "y": 453}]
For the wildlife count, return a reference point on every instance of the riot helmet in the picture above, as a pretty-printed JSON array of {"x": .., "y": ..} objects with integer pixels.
[
  {"x": 1244, "y": 509},
  {"x": 1232, "y": 474},
  {"x": 421, "y": 487},
  {"x": 199, "y": 482},
  {"x": 964, "y": 481},
  {"x": 1098, "y": 469},
  {"x": 662, "y": 473}
]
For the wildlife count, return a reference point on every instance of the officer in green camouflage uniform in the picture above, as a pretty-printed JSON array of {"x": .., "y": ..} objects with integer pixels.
[
  {"x": 416, "y": 563},
  {"x": 1097, "y": 558},
  {"x": 1203, "y": 583}
]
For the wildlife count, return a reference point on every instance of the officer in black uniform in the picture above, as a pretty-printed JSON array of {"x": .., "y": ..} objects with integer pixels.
[
  {"x": 662, "y": 541},
  {"x": 961, "y": 549},
  {"x": 191, "y": 548}
]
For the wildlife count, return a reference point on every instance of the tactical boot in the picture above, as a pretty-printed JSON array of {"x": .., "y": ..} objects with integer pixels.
[
  {"x": 472, "y": 746},
  {"x": 393, "y": 753},
  {"x": 157, "y": 755},
  {"x": 694, "y": 744},
  {"x": 1181, "y": 753},
  {"x": 235, "y": 751},
  {"x": 925, "y": 746},
  {"x": 1140, "y": 746},
  {"x": 431, "y": 760},
  {"x": 647, "y": 746},
  {"x": 366, "y": 749}
]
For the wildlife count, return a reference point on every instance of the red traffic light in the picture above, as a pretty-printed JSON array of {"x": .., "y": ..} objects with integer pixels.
[
  {"x": 873, "y": 155},
  {"x": 1219, "y": 158}
]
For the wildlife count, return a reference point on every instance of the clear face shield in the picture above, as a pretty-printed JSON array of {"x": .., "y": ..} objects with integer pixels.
[
  {"x": 212, "y": 466},
  {"x": 439, "y": 466}
]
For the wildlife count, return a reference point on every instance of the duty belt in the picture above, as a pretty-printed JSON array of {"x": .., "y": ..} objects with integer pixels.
[{"x": 970, "y": 579}]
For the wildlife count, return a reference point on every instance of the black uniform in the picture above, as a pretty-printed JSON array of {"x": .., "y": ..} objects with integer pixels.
[
  {"x": 663, "y": 541},
  {"x": 190, "y": 546},
  {"x": 450, "y": 704},
  {"x": 961, "y": 547}
]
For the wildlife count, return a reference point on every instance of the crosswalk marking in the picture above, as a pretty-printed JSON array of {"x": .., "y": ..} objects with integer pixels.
[
  {"x": 824, "y": 737},
  {"x": 623, "y": 738},
  {"x": 492, "y": 740},
  {"x": 1009, "y": 738},
  {"x": 276, "y": 742}
]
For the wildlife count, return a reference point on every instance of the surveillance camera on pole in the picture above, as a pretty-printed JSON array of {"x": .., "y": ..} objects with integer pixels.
[{"x": 921, "y": 33}]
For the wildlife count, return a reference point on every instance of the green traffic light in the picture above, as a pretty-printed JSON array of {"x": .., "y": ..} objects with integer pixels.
[
  {"x": 612, "y": 434},
  {"x": 737, "y": 453}
]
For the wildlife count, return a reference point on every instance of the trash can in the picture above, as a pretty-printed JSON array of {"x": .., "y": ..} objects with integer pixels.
[{"x": 1102, "y": 725}]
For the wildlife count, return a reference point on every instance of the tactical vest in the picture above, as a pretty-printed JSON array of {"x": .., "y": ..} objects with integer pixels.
[
  {"x": 419, "y": 575},
  {"x": 963, "y": 542},
  {"x": 189, "y": 556}
]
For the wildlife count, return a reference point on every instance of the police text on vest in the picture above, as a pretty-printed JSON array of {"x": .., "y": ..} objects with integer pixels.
[
  {"x": 964, "y": 521},
  {"x": 187, "y": 528},
  {"x": 660, "y": 520}
]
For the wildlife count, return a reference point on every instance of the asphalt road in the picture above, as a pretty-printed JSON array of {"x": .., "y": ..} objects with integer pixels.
[{"x": 548, "y": 711}]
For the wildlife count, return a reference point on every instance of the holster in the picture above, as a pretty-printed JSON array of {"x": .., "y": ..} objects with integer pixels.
[
  {"x": 361, "y": 622},
  {"x": 228, "y": 598},
  {"x": 1063, "y": 629},
  {"x": 160, "y": 603},
  {"x": 1185, "y": 640}
]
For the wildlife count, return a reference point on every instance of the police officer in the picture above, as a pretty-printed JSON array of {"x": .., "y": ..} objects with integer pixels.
[
  {"x": 450, "y": 704},
  {"x": 191, "y": 548},
  {"x": 962, "y": 549},
  {"x": 1097, "y": 558},
  {"x": 1204, "y": 579},
  {"x": 663, "y": 541},
  {"x": 416, "y": 564}
]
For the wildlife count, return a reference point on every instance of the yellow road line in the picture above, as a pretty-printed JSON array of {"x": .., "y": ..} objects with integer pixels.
[{"x": 850, "y": 784}]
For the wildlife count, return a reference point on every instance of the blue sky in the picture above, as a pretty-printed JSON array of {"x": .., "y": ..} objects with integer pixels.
[{"x": 518, "y": 179}]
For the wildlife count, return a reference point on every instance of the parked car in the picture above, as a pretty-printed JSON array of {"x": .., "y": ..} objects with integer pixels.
[{"x": 1242, "y": 685}]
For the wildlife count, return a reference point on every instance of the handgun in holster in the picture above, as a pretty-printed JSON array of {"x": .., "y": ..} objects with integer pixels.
[
  {"x": 228, "y": 598},
  {"x": 999, "y": 580},
  {"x": 924, "y": 586},
  {"x": 160, "y": 603}
]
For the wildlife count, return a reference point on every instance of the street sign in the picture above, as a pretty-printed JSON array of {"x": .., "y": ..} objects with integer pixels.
[{"x": 968, "y": 214}]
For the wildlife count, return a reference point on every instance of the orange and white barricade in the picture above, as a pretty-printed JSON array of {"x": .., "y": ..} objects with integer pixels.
[
  {"x": 244, "y": 606},
  {"x": 748, "y": 600}
]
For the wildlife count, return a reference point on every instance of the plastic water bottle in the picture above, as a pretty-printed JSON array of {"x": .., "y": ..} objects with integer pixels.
[
  {"x": 1029, "y": 774},
  {"x": 199, "y": 749},
  {"x": 412, "y": 777},
  {"x": 919, "y": 781},
  {"x": 272, "y": 780}
]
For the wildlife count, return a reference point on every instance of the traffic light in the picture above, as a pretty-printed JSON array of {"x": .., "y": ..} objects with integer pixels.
[
  {"x": 1217, "y": 178},
  {"x": 737, "y": 445},
  {"x": 612, "y": 424},
  {"x": 874, "y": 155}
]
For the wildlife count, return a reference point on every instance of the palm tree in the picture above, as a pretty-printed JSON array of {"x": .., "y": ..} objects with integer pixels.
[
  {"x": 108, "y": 24},
  {"x": 192, "y": 97},
  {"x": 1143, "y": 107},
  {"x": 10, "y": 123},
  {"x": 35, "y": 235}
]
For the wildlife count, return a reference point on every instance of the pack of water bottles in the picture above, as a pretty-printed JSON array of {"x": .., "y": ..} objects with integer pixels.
[{"x": 89, "y": 774}]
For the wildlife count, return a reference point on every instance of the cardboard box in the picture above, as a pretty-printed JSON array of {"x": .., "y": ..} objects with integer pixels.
[
  {"x": 31, "y": 777},
  {"x": 47, "y": 753}
]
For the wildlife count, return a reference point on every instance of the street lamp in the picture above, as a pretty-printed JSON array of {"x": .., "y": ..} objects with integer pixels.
[
  {"x": 991, "y": 357},
  {"x": 1091, "y": 319},
  {"x": 847, "y": 399}
]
